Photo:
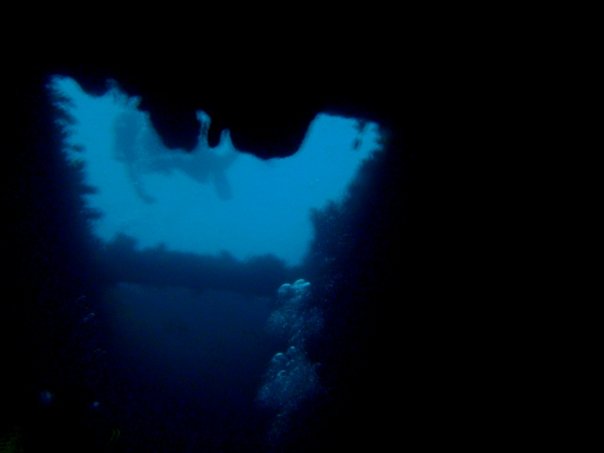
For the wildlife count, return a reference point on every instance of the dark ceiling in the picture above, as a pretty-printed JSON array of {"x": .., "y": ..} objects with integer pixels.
[{"x": 267, "y": 105}]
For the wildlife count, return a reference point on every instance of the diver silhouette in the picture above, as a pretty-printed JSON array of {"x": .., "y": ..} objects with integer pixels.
[{"x": 140, "y": 149}]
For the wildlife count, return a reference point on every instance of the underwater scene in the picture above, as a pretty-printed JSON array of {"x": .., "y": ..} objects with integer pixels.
[{"x": 207, "y": 299}]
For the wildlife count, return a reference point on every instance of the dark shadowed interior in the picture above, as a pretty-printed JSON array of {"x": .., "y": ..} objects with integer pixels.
[{"x": 376, "y": 268}]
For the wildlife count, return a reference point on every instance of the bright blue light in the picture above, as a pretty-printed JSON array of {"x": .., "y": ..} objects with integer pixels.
[{"x": 214, "y": 199}]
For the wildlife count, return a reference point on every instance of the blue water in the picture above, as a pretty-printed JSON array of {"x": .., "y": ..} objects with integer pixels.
[
  {"x": 212, "y": 200},
  {"x": 207, "y": 325}
]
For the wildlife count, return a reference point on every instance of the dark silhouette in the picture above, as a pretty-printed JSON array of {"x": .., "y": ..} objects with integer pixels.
[{"x": 142, "y": 152}]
